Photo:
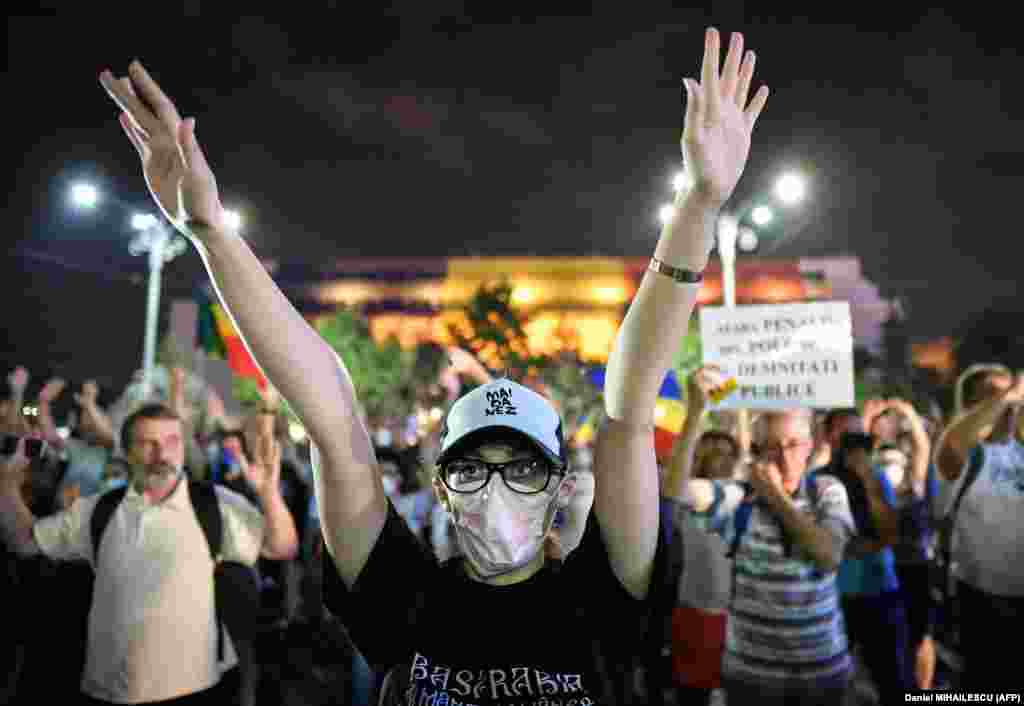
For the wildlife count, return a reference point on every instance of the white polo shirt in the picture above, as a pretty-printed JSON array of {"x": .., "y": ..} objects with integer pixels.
[
  {"x": 988, "y": 537},
  {"x": 152, "y": 625}
]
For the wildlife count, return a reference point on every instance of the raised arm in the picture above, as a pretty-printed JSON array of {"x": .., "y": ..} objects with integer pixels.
[
  {"x": 716, "y": 142},
  {"x": 291, "y": 354},
  {"x": 678, "y": 481},
  {"x": 47, "y": 426},
  {"x": 966, "y": 431},
  {"x": 95, "y": 419},
  {"x": 14, "y": 420},
  {"x": 16, "y": 520},
  {"x": 922, "y": 446}
]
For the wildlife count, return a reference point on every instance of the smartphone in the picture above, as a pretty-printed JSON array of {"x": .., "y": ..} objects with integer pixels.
[
  {"x": 34, "y": 448},
  {"x": 848, "y": 441}
]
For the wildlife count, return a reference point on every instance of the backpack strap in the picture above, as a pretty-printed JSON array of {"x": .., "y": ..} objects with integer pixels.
[
  {"x": 101, "y": 516},
  {"x": 741, "y": 521},
  {"x": 975, "y": 463},
  {"x": 207, "y": 509}
]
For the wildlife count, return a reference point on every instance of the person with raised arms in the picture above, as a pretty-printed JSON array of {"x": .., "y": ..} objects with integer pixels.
[{"x": 476, "y": 629}]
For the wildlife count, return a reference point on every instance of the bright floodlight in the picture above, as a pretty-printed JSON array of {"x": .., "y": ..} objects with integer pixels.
[
  {"x": 84, "y": 195},
  {"x": 143, "y": 221},
  {"x": 666, "y": 214},
  {"x": 747, "y": 240},
  {"x": 791, "y": 189},
  {"x": 681, "y": 181},
  {"x": 233, "y": 219},
  {"x": 762, "y": 215}
]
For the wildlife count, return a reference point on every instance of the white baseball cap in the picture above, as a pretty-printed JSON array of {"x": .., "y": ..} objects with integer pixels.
[{"x": 503, "y": 405}]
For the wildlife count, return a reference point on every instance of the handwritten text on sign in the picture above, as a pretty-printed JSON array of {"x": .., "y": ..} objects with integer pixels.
[{"x": 782, "y": 355}]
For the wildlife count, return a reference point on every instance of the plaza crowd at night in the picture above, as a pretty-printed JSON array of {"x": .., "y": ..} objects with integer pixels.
[{"x": 715, "y": 503}]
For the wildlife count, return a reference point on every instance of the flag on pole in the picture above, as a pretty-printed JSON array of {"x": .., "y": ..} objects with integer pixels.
[{"x": 219, "y": 338}]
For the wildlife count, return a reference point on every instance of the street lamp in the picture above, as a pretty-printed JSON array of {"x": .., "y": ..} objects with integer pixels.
[
  {"x": 791, "y": 188},
  {"x": 84, "y": 196},
  {"x": 747, "y": 241},
  {"x": 682, "y": 181},
  {"x": 162, "y": 245},
  {"x": 728, "y": 231},
  {"x": 762, "y": 216},
  {"x": 233, "y": 220}
]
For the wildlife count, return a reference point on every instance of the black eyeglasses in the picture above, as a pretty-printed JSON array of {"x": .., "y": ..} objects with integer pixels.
[{"x": 525, "y": 476}]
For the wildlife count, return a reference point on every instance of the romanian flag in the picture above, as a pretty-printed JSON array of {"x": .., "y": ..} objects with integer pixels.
[
  {"x": 669, "y": 412},
  {"x": 219, "y": 338}
]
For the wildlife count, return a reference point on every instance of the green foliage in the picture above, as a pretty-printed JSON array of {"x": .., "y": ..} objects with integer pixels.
[
  {"x": 577, "y": 398},
  {"x": 689, "y": 356},
  {"x": 381, "y": 373},
  {"x": 497, "y": 336},
  {"x": 171, "y": 353}
]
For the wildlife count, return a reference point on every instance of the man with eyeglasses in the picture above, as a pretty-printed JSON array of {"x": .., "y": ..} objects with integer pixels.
[{"x": 785, "y": 639}]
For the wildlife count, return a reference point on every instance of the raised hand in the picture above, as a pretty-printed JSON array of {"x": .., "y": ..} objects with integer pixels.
[
  {"x": 89, "y": 394},
  {"x": 719, "y": 119},
  {"x": 51, "y": 390},
  {"x": 701, "y": 384},
  {"x": 263, "y": 470},
  {"x": 18, "y": 379},
  {"x": 12, "y": 469},
  {"x": 176, "y": 397},
  {"x": 901, "y": 407},
  {"x": 465, "y": 363},
  {"x": 872, "y": 410},
  {"x": 767, "y": 480},
  {"x": 176, "y": 170}
]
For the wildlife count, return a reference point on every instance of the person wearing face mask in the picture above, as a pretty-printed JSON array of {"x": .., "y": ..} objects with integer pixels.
[
  {"x": 413, "y": 504},
  {"x": 478, "y": 629},
  {"x": 693, "y": 627},
  {"x": 872, "y": 604},
  {"x": 501, "y": 476}
]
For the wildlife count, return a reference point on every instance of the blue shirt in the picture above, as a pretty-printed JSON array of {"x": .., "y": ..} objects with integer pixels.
[
  {"x": 917, "y": 527},
  {"x": 874, "y": 574}
]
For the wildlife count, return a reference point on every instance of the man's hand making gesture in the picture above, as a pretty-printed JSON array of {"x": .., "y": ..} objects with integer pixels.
[{"x": 173, "y": 163}]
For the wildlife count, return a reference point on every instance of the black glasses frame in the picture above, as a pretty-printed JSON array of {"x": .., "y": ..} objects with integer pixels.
[{"x": 499, "y": 468}]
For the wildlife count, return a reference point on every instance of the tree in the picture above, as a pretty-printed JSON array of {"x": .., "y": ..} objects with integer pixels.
[
  {"x": 381, "y": 373},
  {"x": 690, "y": 355},
  {"x": 496, "y": 334},
  {"x": 575, "y": 396}
]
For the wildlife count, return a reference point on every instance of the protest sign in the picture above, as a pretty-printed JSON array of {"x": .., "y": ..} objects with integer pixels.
[{"x": 782, "y": 355}]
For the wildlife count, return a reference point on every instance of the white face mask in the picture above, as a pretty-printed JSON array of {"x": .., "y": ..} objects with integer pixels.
[
  {"x": 390, "y": 485},
  {"x": 500, "y": 530},
  {"x": 383, "y": 438},
  {"x": 895, "y": 473}
]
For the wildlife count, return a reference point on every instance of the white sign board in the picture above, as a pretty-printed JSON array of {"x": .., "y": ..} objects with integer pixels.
[{"x": 782, "y": 355}]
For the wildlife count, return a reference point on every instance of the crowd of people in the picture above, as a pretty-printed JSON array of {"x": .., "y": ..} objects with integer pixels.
[{"x": 491, "y": 560}]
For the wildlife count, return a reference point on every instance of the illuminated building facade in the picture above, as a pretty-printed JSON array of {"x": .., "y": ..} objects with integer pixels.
[{"x": 574, "y": 303}]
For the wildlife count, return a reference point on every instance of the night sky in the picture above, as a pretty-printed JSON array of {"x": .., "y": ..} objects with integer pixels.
[{"x": 408, "y": 133}]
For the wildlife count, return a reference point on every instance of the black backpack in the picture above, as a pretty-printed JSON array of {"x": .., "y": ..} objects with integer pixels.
[{"x": 236, "y": 587}]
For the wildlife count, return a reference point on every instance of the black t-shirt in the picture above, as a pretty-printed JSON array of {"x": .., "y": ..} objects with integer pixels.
[{"x": 466, "y": 642}]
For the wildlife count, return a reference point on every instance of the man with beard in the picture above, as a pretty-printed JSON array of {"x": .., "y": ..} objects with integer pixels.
[{"x": 153, "y": 632}]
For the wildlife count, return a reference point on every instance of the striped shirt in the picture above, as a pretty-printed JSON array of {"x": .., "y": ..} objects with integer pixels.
[{"x": 785, "y": 624}]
